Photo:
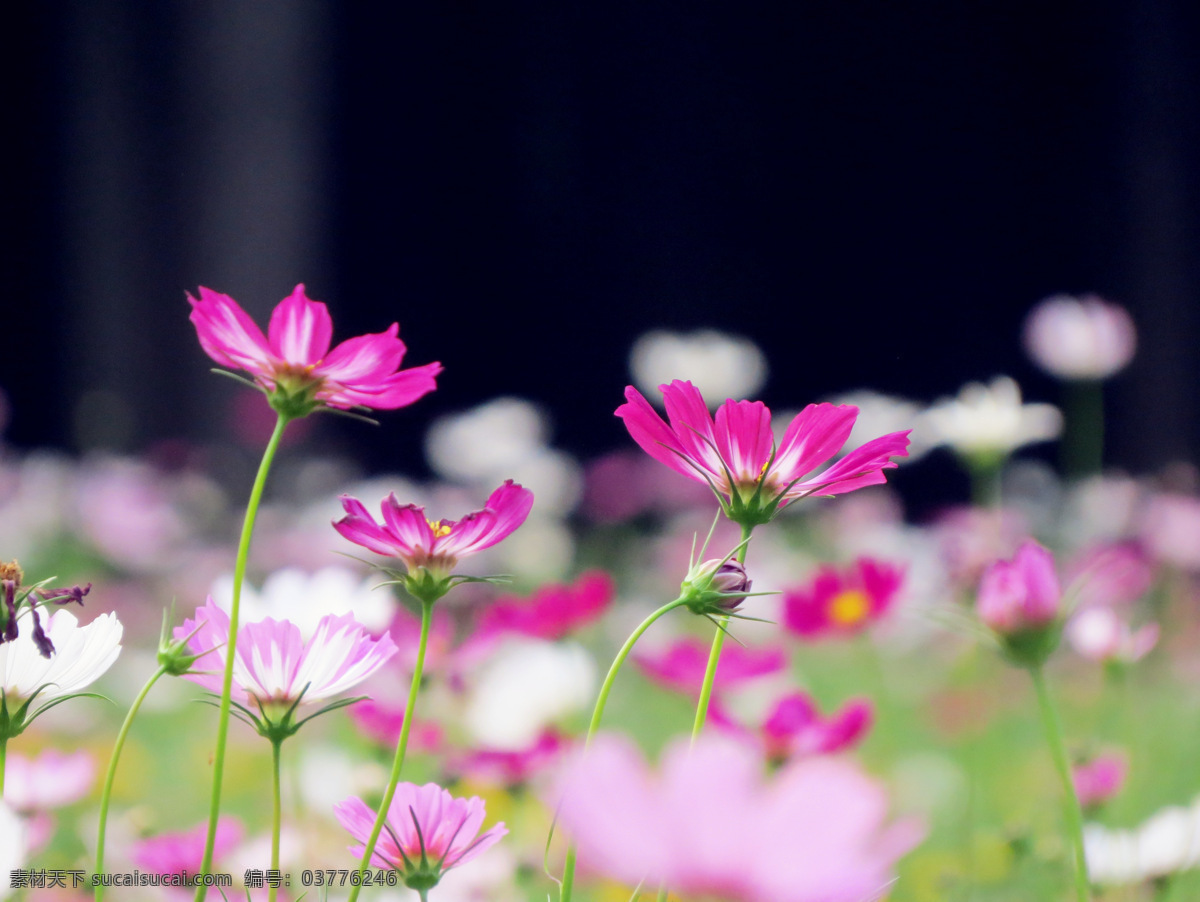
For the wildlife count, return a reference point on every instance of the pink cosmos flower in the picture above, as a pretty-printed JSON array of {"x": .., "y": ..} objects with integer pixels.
[
  {"x": 709, "y": 825},
  {"x": 843, "y": 602},
  {"x": 1111, "y": 574},
  {"x": 434, "y": 546},
  {"x": 51, "y": 780},
  {"x": 796, "y": 727},
  {"x": 182, "y": 852},
  {"x": 737, "y": 456},
  {"x": 1170, "y": 527},
  {"x": 553, "y": 611},
  {"x": 680, "y": 666},
  {"x": 274, "y": 663},
  {"x": 426, "y": 833},
  {"x": 294, "y": 356},
  {"x": 382, "y": 722},
  {"x": 1021, "y": 594},
  {"x": 1101, "y": 778},
  {"x": 506, "y": 767}
]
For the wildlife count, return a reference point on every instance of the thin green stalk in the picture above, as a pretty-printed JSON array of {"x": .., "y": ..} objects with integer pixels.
[
  {"x": 239, "y": 574},
  {"x": 110, "y": 777},
  {"x": 568, "y": 881},
  {"x": 276, "y": 816},
  {"x": 3, "y": 763},
  {"x": 662, "y": 894},
  {"x": 1058, "y": 751},
  {"x": 401, "y": 747},
  {"x": 714, "y": 655},
  {"x": 1083, "y": 442}
]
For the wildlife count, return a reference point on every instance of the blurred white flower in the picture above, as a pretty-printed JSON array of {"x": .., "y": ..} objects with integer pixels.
[
  {"x": 1099, "y": 634},
  {"x": 1166, "y": 843},
  {"x": 1080, "y": 338},
  {"x": 879, "y": 414},
  {"x": 720, "y": 365},
  {"x": 486, "y": 442},
  {"x": 988, "y": 420},
  {"x": 528, "y": 685},
  {"x": 302, "y": 598},
  {"x": 14, "y": 844},
  {"x": 34, "y": 494},
  {"x": 81, "y": 655}
]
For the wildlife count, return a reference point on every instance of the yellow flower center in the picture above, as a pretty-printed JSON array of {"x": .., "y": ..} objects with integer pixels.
[
  {"x": 849, "y": 608},
  {"x": 439, "y": 528}
]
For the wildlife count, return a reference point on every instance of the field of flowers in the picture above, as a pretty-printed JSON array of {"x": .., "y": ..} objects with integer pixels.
[{"x": 721, "y": 664}]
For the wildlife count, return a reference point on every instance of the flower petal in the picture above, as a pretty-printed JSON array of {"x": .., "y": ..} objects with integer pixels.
[
  {"x": 861, "y": 467},
  {"x": 743, "y": 435},
  {"x": 365, "y": 359},
  {"x": 300, "y": 329},
  {"x": 814, "y": 435},
  {"x": 396, "y": 390},
  {"x": 228, "y": 335},
  {"x": 360, "y": 528},
  {"x": 653, "y": 435}
]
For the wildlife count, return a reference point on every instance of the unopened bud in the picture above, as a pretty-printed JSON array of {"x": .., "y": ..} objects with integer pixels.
[{"x": 716, "y": 586}]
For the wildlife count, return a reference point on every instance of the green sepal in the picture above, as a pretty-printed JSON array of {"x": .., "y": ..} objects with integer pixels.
[{"x": 1032, "y": 647}]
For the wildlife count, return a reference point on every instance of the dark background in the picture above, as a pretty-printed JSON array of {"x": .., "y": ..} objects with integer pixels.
[{"x": 875, "y": 193}]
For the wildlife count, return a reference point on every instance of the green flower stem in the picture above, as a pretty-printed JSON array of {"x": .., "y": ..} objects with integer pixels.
[
  {"x": 568, "y": 881},
  {"x": 276, "y": 816},
  {"x": 1058, "y": 751},
  {"x": 714, "y": 655},
  {"x": 239, "y": 574},
  {"x": 401, "y": 747},
  {"x": 110, "y": 777},
  {"x": 1083, "y": 442},
  {"x": 3, "y": 762}
]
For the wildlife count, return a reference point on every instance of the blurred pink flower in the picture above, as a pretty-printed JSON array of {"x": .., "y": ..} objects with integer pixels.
[
  {"x": 1020, "y": 594},
  {"x": 553, "y": 611},
  {"x": 970, "y": 538},
  {"x": 435, "y": 546},
  {"x": 274, "y": 663},
  {"x": 843, "y": 602},
  {"x": 381, "y": 722},
  {"x": 708, "y": 824},
  {"x": 511, "y": 768},
  {"x": 737, "y": 456},
  {"x": 1171, "y": 530},
  {"x": 51, "y": 780},
  {"x": 1100, "y": 634},
  {"x": 183, "y": 851},
  {"x": 1099, "y": 779},
  {"x": 1080, "y": 338},
  {"x": 680, "y": 665},
  {"x": 1111, "y": 574},
  {"x": 426, "y": 833},
  {"x": 795, "y": 727},
  {"x": 294, "y": 356}
]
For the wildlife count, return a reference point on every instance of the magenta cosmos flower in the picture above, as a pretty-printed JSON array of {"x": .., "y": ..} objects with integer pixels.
[
  {"x": 736, "y": 454},
  {"x": 553, "y": 611},
  {"x": 796, "y": 727},
  {"x": 842, "y": 602},
  {"x": 681, "y": 665},
  {"x": 426, "y": 833},
  {"x": 709, "y": 825},
  {"x": 294, "y": 364},
  {"x": 275, "y": 665},
  {"x": 1021, "y": 594},
  {"x": 434, "y": 547}
]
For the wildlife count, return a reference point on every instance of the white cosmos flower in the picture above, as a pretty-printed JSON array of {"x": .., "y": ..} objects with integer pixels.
[
  {"x": 719, "y": 364},
  {"x": 81, "y": 655},
  {"x": 1166, "y": 843},
  {"x": 988, "y": 420},
  {"x": 14, "y": 844},
  {"x": 526, "y": 686}
]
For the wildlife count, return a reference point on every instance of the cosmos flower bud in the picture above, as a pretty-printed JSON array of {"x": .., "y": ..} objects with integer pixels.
[
  {"x": 716, "y": 586},
  {"x": 1021, "y": 600}
]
